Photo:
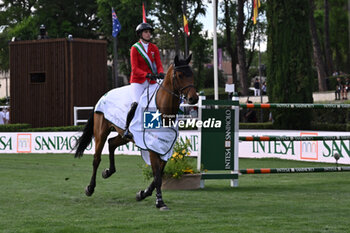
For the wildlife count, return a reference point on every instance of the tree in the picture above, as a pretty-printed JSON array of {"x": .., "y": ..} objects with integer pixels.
[
  {"x": 169, "y": 14},
  {"x": 65, "y": 17},
  {"x": 332, "y": 16},
  {"x": 61, "y": 18},
  {"x": 327, "y": 42},
  {"x": 201, "y": 47},
  {"x": 230, "y": 44},
  {"x": 317, "y": 53},
  {"x": 16, "y": 16},
  {"x": 251, "y": 35},
  {"x": 243, "y": 74},
  {"x": 4, "y": 51},
  {"x": 289, "y": 61}
]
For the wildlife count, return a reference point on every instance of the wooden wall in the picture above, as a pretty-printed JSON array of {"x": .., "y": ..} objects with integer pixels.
[{"x": 75, "y": 75}]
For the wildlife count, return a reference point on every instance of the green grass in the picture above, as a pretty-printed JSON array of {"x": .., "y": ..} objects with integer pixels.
[{"x": 45, "y": 193}]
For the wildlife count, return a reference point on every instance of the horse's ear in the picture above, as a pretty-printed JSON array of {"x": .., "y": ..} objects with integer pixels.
[
  {"x": 176, "y": 60},
  {"x": 188, "y": 59}
]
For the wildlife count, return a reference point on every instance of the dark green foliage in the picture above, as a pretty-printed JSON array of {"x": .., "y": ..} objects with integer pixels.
[
  {"x": 27, "y": 128},
  {"x": 4, "y": 101},
  {"x": 206, "y": 78},
  {"x": 56, "y": 129},
  {"x": 265, "y": 125},
  {"x": 289, "y": 61},
  {"x": 14, "y": 127}
]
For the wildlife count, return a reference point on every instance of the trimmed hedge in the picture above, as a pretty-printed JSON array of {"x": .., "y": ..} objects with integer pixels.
[
  {"x": 57, "y": 129},
  {"x": 14, "y": 127},
  {"x": 265, "y": 125},
  {"x": 27, "y": 128}
]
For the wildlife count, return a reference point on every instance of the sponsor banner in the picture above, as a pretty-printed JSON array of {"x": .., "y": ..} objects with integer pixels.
[
  {"x": 64, "y": 142},
  {"x": 314, "y": 151}
]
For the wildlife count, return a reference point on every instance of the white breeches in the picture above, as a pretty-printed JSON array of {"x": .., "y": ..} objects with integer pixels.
[{"x": 137, "y": 89}]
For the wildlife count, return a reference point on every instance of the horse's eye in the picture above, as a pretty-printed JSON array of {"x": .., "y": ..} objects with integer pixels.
[{"x": 181, "y": 75}]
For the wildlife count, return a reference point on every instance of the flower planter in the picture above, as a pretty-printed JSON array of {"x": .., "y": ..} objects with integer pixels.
[{"x": 187, "y": 181}]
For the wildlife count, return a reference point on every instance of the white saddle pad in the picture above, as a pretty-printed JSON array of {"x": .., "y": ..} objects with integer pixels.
[{"x": 115, "y": 105}]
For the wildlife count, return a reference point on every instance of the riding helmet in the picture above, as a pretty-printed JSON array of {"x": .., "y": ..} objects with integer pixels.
[{"x": 143, "y": 26}]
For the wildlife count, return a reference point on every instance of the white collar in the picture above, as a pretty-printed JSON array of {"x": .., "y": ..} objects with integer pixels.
[{"x": 145, "y": 45}]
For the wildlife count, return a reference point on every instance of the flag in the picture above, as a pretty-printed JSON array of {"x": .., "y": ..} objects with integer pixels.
[
  {"x": 185, "y": 25},
  {"x": 116, "y": 24},
  {"x": 144, "y": 20},
  {"x": 256, "y": 5}
]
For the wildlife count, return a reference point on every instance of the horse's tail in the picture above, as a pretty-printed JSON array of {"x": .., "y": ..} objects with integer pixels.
[{"x": 86, "y": 138}]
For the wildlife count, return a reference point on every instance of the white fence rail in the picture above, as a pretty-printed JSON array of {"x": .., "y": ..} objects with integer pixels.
[{"x": 76, "y": 109}]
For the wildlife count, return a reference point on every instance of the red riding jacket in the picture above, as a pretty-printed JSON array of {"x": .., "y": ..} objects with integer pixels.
[{"x": 139, "y": 67}]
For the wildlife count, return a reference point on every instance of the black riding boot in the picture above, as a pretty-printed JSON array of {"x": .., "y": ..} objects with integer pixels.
[{"x": 131, "y": 113}]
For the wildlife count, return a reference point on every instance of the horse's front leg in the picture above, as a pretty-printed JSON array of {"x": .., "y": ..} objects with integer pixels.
[
  {"x": 142, "y": 194},
  {"x": 113, "y": 143},
  {"x": 157, "y": 168},
  {"x": 99, "y": 143},
  {"x": 89, "y": 190}
]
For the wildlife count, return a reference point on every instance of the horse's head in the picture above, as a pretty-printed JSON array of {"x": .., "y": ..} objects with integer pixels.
[{"x": 183, "y": 80}]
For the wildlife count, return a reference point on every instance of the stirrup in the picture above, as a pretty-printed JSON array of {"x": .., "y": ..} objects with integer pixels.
[{"x": 128, "y": 135}]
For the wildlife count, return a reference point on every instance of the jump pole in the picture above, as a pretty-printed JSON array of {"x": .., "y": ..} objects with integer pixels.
[
  {"x": 293, "y": 170},
  {"x": 293, "y": 138},
  {"x": 295, "y": 105}
]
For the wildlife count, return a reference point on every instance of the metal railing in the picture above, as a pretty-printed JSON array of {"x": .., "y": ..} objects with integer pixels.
[{"x": 76, "y": 109}]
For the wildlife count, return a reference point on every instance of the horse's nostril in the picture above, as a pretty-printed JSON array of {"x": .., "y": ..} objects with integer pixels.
[{"x": 192, "y": 100}]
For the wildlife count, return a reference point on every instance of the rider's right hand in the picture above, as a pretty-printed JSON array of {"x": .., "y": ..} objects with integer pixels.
[{"x": 149, "y": 76}]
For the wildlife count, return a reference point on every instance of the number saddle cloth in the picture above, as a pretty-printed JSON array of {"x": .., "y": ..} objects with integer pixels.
[{"x": 146, "y": 126}]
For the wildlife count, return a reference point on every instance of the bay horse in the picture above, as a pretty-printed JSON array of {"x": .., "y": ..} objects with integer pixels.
[{"x": 178, "y": 82}]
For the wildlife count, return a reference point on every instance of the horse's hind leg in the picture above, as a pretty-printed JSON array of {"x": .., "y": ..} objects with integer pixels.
[
  {"x": 113, "y": 143},
  {"x": 101, "y": 132}
]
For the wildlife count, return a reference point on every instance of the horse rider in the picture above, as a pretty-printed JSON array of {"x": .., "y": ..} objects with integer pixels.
[{"x": 145, "y": 64}]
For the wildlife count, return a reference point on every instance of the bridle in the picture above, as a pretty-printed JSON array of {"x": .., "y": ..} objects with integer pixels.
[{"x": 176, "y": 91}]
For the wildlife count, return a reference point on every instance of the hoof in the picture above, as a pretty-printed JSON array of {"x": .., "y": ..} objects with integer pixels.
[
  {"x": 164, "y": 208},
  {"x": 161, "y": 205},
  {"x": 89, "y": 191},
  {"x": 107, "y": 173},
  {"x": 139, "y": 196}
]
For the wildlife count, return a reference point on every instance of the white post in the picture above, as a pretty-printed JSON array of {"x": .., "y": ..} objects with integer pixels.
[
  {"x": 199, "y": 157},
  {"x": 200, "y": 106},
  {"x": 234, "y": 182},
  {"x": 215, "y": 49},
  {"x": 75, "y": 115}
]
